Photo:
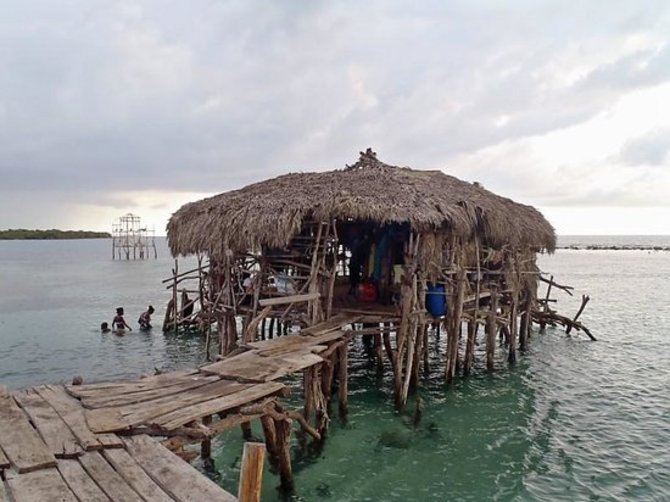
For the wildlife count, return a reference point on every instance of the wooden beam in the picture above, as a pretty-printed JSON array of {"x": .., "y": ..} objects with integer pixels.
[{"x": 282, "y": 300}]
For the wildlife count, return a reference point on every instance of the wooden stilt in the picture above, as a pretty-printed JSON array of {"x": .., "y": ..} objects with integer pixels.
[
  {"x": 284, "y": 429},
  {"x": 491, "y": 328},
  {"x": 270, "y": 433},
  {"x": 247, "y": 435},
  {"x": 343, "y": 390},
  {"x": 206, "y": 445},
  {"x": 470, "y": 347}
]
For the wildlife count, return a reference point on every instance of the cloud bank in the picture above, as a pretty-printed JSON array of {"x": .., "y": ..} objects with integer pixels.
[{"x": 108, "y": 107}]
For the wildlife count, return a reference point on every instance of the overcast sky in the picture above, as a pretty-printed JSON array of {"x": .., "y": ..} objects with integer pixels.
[{"x": 111, "y": 107}]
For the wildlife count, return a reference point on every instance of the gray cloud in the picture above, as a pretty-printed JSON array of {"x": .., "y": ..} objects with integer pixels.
[
  {"x": 650, "y": 150},
  {"x": 213, "y": 95}
]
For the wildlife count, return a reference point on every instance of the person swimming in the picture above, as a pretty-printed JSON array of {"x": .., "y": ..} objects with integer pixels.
[
  {"x": 119, "y": 323},
  {"x": 145, "y": 319},
  {"x": 104, "y": 328}
]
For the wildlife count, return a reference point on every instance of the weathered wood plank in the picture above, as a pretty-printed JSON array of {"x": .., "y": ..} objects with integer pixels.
[
  {"x": 122, "y": 417},
  {"x": 182, "y": 416},
  {"x": 173, "y": 475},
  {"x": 38, "y": 486},
  {"x": 256, "y": 368},
  {"x": 21, "y": 443},
  {"x": 4, "y": 461},
  {"x": 81, "y": 484},
  {"x": 242, "y": 367},
  {"x": 282, "y": 300},
  {"x": 70, "y": 410},
  {"x": 135, "y": 476},
  {"x": 110, "y": 481},
  {"x": 110, "y": 440},
  {"x": 109, "y": 400},
  {"x": 50, "y": 426},
  {"x": 336, "y": 322},
  {"x": 136, "y": 385}
]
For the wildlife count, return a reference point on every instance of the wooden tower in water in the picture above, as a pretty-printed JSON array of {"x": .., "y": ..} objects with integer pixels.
[{"x": 130, "y": 240}]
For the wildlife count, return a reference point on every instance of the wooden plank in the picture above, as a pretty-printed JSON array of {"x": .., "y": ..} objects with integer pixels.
[
  {"x": 136, "y": 385},
  {"x": 248, "y": 366},
  {"x": 110, "y": 440},
  {"x": 70, "y": 410},
  {"x": 50, "y": 426},
  {"x": 4, "y": 461},
  {"x": 110, "y": 481},
  {"x": 4, "y": 496},
  {"x": 256, "y": 368},
  {"x": 173, "y": 475},
  {"x": 182, "y": 416},
  {"x": 282, "y": 300},
  {"x": 81, "y": 484},
  {"x": 105, "y": 401},
  {"x": 335, "y": 322},
  {"x": 38, "y": 486},
  {"x": 135, "y": 476},
  {"x": 123, "y": 417},
  {"x": 21, "y": 443}
]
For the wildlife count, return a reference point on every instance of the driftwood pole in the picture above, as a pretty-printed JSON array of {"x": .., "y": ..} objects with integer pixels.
[
  {"x": 251, "y": 475},
  {"x": 491, "y": 325},
  {"x": 343, "y": 384}
]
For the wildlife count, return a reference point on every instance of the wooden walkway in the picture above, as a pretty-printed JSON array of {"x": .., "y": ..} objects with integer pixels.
[{"x": 92, "y": 442}]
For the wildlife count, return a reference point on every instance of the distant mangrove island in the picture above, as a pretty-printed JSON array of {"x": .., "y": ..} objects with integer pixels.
[{"x": 52, "y": 234}]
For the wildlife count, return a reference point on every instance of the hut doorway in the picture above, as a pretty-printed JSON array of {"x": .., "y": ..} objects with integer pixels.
[{"x": 370, "y": 263}]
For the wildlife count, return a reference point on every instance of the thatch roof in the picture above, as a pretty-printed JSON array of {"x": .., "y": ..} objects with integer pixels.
[{"x": 271, "y": 212}]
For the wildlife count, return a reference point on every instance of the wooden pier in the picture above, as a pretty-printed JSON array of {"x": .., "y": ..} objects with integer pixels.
[{"x": 117, "y": 440}]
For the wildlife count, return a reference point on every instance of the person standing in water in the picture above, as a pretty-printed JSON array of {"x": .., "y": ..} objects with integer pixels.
[
  {"x": 145, "y": 319},
  {"x": 119, "y": 323}
]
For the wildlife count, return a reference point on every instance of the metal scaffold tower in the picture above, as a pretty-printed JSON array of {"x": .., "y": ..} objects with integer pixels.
[{"x": 132, "y": 241}]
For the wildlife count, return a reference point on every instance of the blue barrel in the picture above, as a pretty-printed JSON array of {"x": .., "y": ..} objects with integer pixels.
[{"x": 436, "y": 301}]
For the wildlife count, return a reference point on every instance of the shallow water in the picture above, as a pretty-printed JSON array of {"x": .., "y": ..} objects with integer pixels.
[{"x": 573, "y": 420}]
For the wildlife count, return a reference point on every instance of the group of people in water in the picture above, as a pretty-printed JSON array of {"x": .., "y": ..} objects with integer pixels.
[{"x": 119, "y": 324}]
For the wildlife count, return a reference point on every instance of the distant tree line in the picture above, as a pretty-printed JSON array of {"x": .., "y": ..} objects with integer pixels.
[{"x": 22, "y": 233}]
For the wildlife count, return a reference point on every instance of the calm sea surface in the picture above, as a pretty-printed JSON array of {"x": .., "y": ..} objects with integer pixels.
[{"x": 573, "y": 420}]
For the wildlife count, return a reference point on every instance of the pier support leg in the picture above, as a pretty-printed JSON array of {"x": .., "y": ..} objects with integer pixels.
[
  {"x": 206, "y": 445},
  {"x": 343, "y": 390},
  {"x": 491, "y": 329}
]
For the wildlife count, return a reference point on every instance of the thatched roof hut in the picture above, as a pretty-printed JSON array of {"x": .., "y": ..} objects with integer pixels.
[{"x": 271, "y": 212}]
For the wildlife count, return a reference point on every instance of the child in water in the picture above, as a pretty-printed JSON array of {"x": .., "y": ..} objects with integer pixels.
[
  {"x": 145, "y": 319},
  {"x": 119, "y": 323},
  {"x": 104, "y": 328}
]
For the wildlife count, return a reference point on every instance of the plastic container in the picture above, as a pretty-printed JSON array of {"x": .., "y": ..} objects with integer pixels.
[
  {"x": 367, "y": 292},
  {"x": 436, "y": 300}
]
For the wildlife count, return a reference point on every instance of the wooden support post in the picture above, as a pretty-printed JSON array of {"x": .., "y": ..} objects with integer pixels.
[
  {"x": 247, "y": 435},
  {"x": 251, "y": 474},
  {"x": 511, "y": 358},
  {"x": 470, "y": 346},
  {"x": 308, "y": 396},
  {"x": 327, "y": 373},
  {"x": 270, "y": 433},
  {"x": 454, "y": 324},
  {"x": 284, "y": 430},
  {"x": 206, "y": 445},
  {"x": 491, "y": 326},
  {"x": 343, "y": 390}
]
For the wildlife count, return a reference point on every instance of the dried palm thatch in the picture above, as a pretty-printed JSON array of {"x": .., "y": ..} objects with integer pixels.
[{"x": 271, "y": 212}]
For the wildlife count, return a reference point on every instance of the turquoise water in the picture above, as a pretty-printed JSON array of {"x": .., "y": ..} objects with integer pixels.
[{"x": 573, "y": 420}]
